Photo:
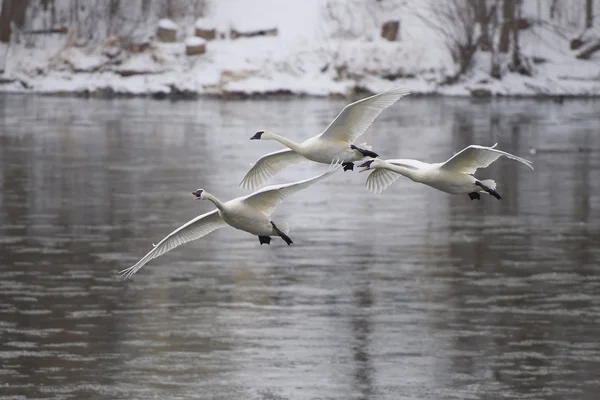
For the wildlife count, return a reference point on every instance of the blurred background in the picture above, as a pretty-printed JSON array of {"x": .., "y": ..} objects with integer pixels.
[
  {"x": 112, "y": 112},
  {"x": 316, "y": 47}
]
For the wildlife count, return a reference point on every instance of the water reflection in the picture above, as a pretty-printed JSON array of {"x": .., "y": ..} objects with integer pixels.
[{"x": 411, "y": 294}]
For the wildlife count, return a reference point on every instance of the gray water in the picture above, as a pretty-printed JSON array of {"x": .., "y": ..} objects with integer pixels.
[{"x": 412, "y": 294}]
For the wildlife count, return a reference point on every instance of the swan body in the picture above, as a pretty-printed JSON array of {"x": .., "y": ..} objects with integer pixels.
[
  {"x": 336, "y": 142},
  {"x": 250, "y": 213},
  {"x": 455, "y": 176}
]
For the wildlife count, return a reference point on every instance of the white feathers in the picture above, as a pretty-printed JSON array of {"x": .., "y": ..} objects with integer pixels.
[
  {"x": 333, "y": 143},
  {"x": 268, "y": 166},
  {"x": 380, "y": 179},
  {"x": 356, "y": 117},
  {"x": 266, "y": 199},
  {"x": 194, "y": 229},
  {"x": 249, "y": 213},
  {"x": 454, "y": 176},
  {"x": 474, "y": 157},
  {"x": 490, "y": 183}
]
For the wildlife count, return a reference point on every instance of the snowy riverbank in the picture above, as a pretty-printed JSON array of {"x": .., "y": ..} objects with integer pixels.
[{"x": 314, "y": 53}]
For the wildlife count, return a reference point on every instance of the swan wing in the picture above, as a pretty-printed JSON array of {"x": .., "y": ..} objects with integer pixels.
[
  {"x": 267, "y": 198},
  {"x": 268, "y": 166},
  {"x": 194, "y": 229},
  {"x": 474, "y": 157},
  {"x": 380, "y": 179},
  {"x": 355, "y": 118}
]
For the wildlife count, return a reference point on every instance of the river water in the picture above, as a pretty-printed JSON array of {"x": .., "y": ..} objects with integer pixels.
[{"x": 412, "y": 294}]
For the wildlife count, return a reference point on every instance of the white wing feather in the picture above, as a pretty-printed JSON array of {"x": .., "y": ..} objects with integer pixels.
[
  {"x": 266, "y": 199},
  {"x": 380, "y": 179},
  {"x": 194, "y": 229},
  {"x": 355, "y": 118},
  {"x": 474, "y": 157},
  {"x": 268, "y": 166}
]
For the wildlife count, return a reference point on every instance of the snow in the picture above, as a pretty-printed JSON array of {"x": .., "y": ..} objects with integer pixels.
[
  {"x": 205, "y": 23},
  {"x": 194, "y": 41},
  {"x": 167, "y": 24},
  {"x": 322, "y": 48}
]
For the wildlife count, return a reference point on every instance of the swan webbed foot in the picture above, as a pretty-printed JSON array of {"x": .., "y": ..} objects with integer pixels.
[
  {"x": 490, "y": 191},
  {"x": 285, "y": 237},
  {"x": 474, "y": 196},
  {"x": 366, "y": 153},
  {"x": 348, "y": 166},
  {"x": 264, "y": 240}
]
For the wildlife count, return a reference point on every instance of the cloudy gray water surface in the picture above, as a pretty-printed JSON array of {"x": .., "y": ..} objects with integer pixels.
[{"x": 413, "y": 294}]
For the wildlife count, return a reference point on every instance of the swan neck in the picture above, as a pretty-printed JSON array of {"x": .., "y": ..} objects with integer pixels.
[
  {"x": 286, "y": 142},
  {"x": 402, "y": 170},
  {"x": 218, "y": 203}
]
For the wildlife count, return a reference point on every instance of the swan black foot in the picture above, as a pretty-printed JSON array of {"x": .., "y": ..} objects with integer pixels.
[
  {"x": 474, "y": 196},
  {"x": 264, "y": 240},
  {"x": 366, "y": 153},
  {"x": 490, "y": 191},
  {"x": 348, "y": 166},
  {"x": 280, "y": 233}
]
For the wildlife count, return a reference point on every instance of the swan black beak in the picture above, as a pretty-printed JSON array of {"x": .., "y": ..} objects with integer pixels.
[
  {"x": 365, "y": 166},
  {"x": 197, "y": 193},
  {"x": 257, "y": 135}
]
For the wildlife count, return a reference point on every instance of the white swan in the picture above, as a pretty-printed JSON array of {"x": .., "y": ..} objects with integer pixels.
[
  {"x": 334, "y": 143},
  {"x": 453, "y": 176},
  {"x": 249, "y": 213}
]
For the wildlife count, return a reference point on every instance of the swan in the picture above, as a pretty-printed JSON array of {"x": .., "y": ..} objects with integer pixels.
[
  {"x": 335, "y": 142},
  {"x": 248, "y": 213},
  {"x": 453, "y": 176}
]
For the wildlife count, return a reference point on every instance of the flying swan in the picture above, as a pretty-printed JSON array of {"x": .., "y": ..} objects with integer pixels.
[
  {"x": 335, "y": 143},
  {"x": 453, "y": 176},
  {"x": 248, "y": 213}
]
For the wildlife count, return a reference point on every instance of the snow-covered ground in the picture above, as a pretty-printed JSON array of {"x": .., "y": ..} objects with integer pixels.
[{"x": 322, "y": 47}]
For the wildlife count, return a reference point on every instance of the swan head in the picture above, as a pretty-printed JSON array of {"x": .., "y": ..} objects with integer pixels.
[
  {"x": 264, "y": 135},
  {"x": 373, "y": 163},
  {"x": 199, "y": 193}
]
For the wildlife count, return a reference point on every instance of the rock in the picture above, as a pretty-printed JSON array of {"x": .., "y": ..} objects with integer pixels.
[
  {"x": 481, "y": 92},
  {"x": 166, "y": 31},
  {"x": 389, "y": 30},
  {"x": 234, "y": 34},
  {"x": 576, "y": 43},
  {"x": 195, "y": 46},
  {"x": 205, "y": 29}
]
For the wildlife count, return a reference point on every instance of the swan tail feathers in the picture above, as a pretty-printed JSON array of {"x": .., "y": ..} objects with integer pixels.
[
  {"x": 283, "y": 227},
  {"x": 365, "y": 146},
  {"x": 490, "y": 183}
]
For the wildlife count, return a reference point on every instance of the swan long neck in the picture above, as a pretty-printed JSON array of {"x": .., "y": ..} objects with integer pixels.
[
  {"x": 405, "y": 169},
  {"x": 218, "y": 203},
  {"x": 285, "y": 141}
]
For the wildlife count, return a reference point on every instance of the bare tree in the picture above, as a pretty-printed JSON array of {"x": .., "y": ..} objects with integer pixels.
[
  {"x": 482, "y": 19},
  {"x": 12, "y": 11},
  {"x": 589, "y": 13},
  {"x": 508, "y": 19},
  {"x": 455, "y": 22}
]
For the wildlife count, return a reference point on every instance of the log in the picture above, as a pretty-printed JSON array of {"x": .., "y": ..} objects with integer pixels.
[
  {"x": 166, "y": 31},
  {"x": 389, "y": 30},
  {"x": 234, "y": 34},
  {"x": 62, "y": 30}
]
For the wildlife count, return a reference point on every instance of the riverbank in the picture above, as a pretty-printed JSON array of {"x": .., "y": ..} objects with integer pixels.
[{"x": 304, "y": 50}]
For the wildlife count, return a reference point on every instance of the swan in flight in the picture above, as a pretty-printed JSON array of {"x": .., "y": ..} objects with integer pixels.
[
  {"x": 335, "y": 143},
  {"x": 248, "y": 213},
  {"x": 453, "y": 176}
]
